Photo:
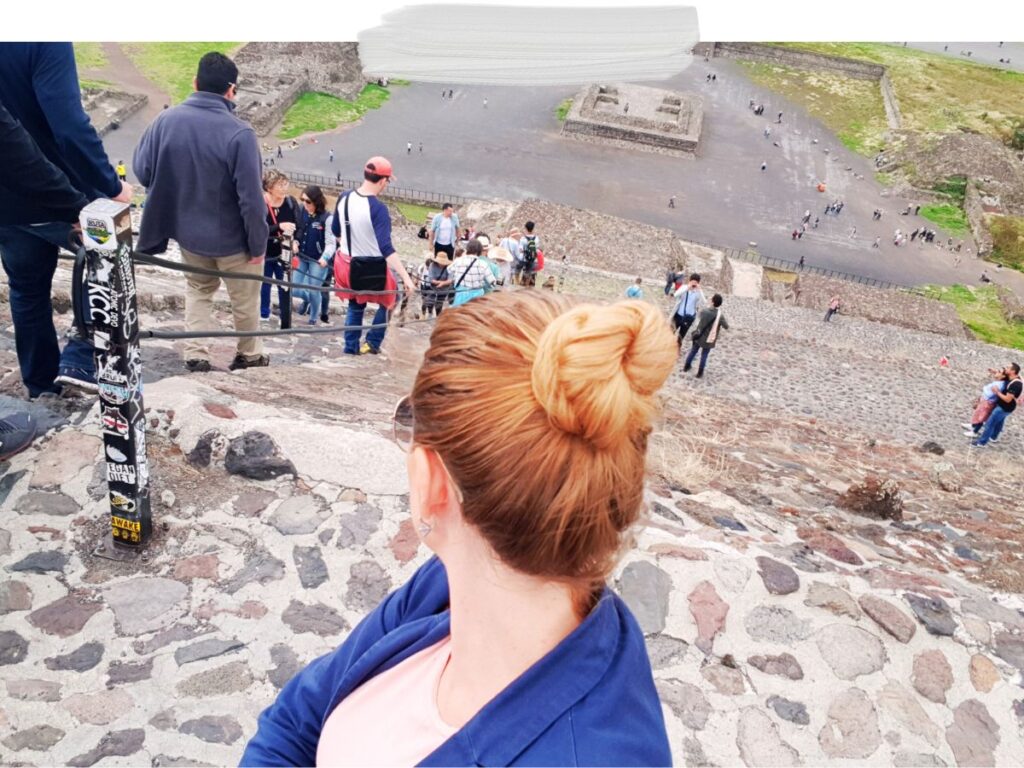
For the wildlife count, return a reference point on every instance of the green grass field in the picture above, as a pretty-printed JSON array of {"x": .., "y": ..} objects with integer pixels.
[
  {"x": 89, "y": 56},
  {"x": 851, "y": 108},
  {"x": 1007, "y": 240},
  {"x": 562, "y": 110},
  {"x": 938, "y": 93},
  {"x": 172, "y": 66},
  {"x": 416, "y": 214},
  {"x": 317, "y": 112},
  {"x": 979, "y": 309},
  {"x": 950, "y": 217},
  {"x": 95, "y": 85}
]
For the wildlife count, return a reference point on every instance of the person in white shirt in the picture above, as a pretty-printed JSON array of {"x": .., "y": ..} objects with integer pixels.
[
  {"x": 444, "y": 231},
  {"x": 689, "y": 301}
]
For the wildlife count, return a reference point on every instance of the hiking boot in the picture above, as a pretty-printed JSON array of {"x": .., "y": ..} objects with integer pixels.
[
  {"x": 325, "y": 320},
  {"x": 77, "y": 379},
  {"x": 17, "y": 432},
  {"x": 241, "y": 362},
  {"x": 686, "y": 368},
  {"x": 198, "y": 366},
  {"x": 366, "y": 349},
  {"x": 700, "y": 375}
]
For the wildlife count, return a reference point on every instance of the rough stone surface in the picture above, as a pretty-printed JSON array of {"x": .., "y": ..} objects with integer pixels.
[
  {"x": 145, "y": 604},
  {"x": 686, "y": 701},
  {"x": 901, "y": 704},
  {"x": 311, "y": 566},
  {"x": 38, "y": 738},
  {"x": 1010, "y": 648},
  {"x": 15, "y": 596},
  {"x": 888, "y": 617},
  {"x": 260, "y": 567},
  {"x": 850, "y": 651},
  {"x": 252, "y": 503},
  {"x": 215, "y": 730},
  {"x": 34, "y": 690},
  {"x": 65, "y": 616},
  {"x": 63, "y": 457},
  {"x": 759, "y": 741},
  {"x": 974, "y": 735},
  {"x": 368, "y": 584},
  {"x": 255, "y": 455},
  {"x": 932, "y": 675},
  {"x": 297, "y": 515},
  {"x": 100, "y": 708},
  {"x": 232, "y": 677},
  {"x": 732, "y": 573},
  {"x": 664, "y": 650},
  {"x": 355, "y": 528},
  {"x": 79, "y": 660},
  {"x": 726, "y": 680},
  {"x": 646, "y": 588},
  {"x": 196, "y": 567},
  {"x": 206, "y": 649},
  {"x": 126, "y": 672},
  {"x": 934, "y": 613},
  {"x": 917, "y": 760},
  {"x": 833, "y": 599},
  {"x": 46, "y": 503},
  {"x": 709, "y": 612},
  {"x": 287, "y": 664},
  {"x": 829, "y": 545},
  {"x": 793, "y": 711},
  {"x": 318, "y": 619},
  {"x": 776, "y": 625},
  {"x": 115, "y": 744},
  {"x": 783, "y": 665},
  {"x": 778, "y": 578},
  {"x": 984, "y": 674},
  {"x": 851, "y": 730},
  {"x": 41, "y": 562}
]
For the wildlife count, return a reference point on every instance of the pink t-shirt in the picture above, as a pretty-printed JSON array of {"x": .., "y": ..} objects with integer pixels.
[{"x": 391, "y": 720}]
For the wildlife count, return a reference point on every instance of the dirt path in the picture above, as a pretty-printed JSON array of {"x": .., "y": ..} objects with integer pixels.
[{"x": 121, "y": 71}]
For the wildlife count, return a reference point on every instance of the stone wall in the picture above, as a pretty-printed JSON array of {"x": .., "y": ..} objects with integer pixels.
[
  {"x": 885, "y": 306},
  {"x": 263, "y": 104},
  {"x": 801, "y": 59},
  {"x": 725, "y": 277},
  {"x": 1013, "y": 309},
  {"x": 976, "y": 218},
  {"x": 108, "y": 108},
  {"x": 892, "y": 107}
]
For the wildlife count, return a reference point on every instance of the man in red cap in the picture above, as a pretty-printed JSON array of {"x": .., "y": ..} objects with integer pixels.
[{"x": 362, "y": 225}]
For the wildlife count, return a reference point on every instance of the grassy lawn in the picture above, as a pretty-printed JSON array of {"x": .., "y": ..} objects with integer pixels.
[
  {"x": 89, "y": 56},
  {"x": 938, "y": 93},
  {"x": 979, "y": 309},
  {"x": 172, "y": 66},
  {"x": 563, "y": 109},
  {"x": 950, "y": 217},
  {"x": 851, "y": 108},
  {"x": 316, "y": 112},
  {"x": 416, "y": 214},
  {"x": 1007, "y": 240},
  {"x": 95, "y": 85}
]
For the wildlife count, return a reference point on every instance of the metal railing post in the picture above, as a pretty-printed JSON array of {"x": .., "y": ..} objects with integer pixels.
[{"x": 112, "y": 306}]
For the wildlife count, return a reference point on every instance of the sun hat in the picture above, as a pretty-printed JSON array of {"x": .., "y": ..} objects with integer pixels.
[{"x": 499, "y": 254}]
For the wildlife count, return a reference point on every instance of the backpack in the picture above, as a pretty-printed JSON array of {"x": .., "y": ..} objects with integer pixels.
[
  {"x": 422, "y": 234},
  {"x": 530, "y": 251}
]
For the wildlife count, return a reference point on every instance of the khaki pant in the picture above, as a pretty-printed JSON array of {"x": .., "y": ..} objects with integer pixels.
[{"x": 244, "y": 295}]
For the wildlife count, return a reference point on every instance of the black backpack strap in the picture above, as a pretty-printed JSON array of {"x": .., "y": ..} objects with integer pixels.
[
  {"x": 348, "y": 227},
  {"x": 465, "y": 272}
]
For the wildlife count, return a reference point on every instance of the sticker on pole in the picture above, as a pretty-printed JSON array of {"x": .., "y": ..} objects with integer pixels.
[{"x": 113, "y": 422}]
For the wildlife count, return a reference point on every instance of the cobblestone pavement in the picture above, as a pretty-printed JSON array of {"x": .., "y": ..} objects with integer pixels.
[{"x": 783, "y": 629}]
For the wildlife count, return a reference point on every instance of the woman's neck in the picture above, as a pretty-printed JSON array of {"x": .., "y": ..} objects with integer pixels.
[{"x": 502, "y": 622}]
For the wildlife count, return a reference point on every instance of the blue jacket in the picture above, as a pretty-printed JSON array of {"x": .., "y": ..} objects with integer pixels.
[
  {"x": 590, "y": 701},
  {"x": 39, "y": 87},
  {"x": 310, "y": 234},
  {"x": 202, "y": 169}
]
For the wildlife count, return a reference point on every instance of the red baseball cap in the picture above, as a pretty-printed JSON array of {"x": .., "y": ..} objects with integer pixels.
[{"x": 380, "y": 166}]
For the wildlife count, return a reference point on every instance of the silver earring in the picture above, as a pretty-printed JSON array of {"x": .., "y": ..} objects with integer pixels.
[{"x": 424, "y": 529}]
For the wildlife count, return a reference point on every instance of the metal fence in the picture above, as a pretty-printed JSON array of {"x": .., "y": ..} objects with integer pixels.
[{"x": 394, "y": 193}]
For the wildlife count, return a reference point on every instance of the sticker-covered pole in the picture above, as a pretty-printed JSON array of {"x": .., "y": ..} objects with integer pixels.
[{"x": 107, "y": 237}]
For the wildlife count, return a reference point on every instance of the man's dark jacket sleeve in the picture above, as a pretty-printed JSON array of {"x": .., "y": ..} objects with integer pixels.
[{"x": 29, "y": 174}]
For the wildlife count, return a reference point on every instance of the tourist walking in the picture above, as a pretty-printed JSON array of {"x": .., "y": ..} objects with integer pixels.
[
  {"x": 471, "y": 275},
  {"x": 636, "y": 290},
  {"x": 985, "y": 403},
  {"x": 408, "y": 147},
  {"x": 689, "y": 301},
  {"x": 1006, "y": 403},
  {"x": 366, "y": 259},
  {"x": 511, "y": 244},
  {"x": 705, "y": 335},
  {"x": 282, "y": 215},
  {"x": 330, "y": 156},
  {"x": 309, "y": 245},
  {"x": 443, "y": 231},
  {"x": 529, "y": 250},
  {"x": 764, "y": 166},
  {"x": 37, "y": 212},
  {"x": 672, "y": 201},
  {"x": 201, "y": 145},
  {"x": 833, "y": 307},
  {"x": 435, "y": 284},
  {"x": 121, "y": 170},
  {"x": 507, "y": 611}
]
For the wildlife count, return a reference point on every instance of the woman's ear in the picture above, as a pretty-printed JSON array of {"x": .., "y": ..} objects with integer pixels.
[{"x": 430, "y": 488}]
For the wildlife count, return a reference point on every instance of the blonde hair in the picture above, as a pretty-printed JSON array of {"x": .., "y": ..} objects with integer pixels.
[
  {"x": 541, "y": 411},
  {"x": 272, "y": 178}
]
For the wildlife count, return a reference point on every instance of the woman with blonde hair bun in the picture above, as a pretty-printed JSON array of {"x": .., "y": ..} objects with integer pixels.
[{"x": 526, "y": 434}]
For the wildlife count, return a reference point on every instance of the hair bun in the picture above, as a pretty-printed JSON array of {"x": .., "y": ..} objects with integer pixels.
[{"x": 596, "y": 369}]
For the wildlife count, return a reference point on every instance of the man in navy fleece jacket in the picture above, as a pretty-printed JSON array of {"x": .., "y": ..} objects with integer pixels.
[
  {"x": 203, "y": 171},
  {"x": 39, "y": 88}
]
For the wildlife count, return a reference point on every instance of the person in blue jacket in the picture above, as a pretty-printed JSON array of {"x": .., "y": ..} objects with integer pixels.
[
  {"x": 506, "y": 647},
  {"x": 39, "y": 89}
]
